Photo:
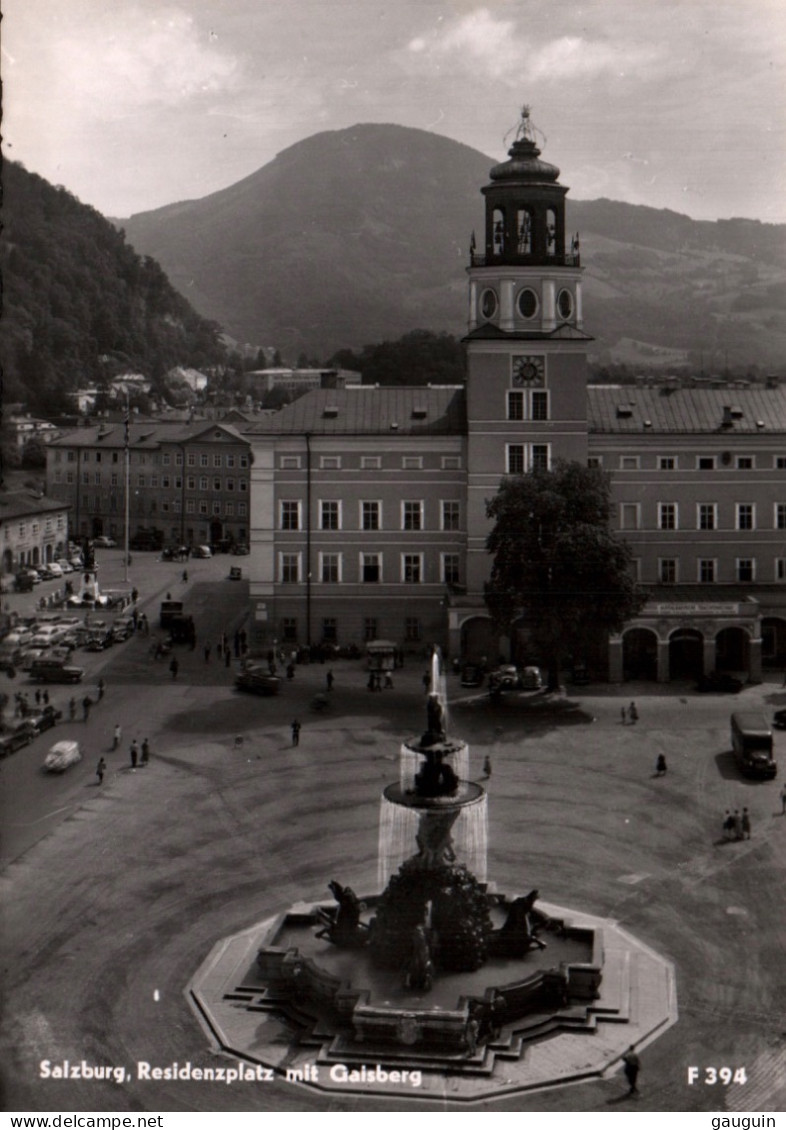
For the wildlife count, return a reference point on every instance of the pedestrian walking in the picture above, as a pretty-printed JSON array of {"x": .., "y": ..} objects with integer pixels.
[
  {"x": 623, "y": 715},
  {"x": 783, "y": 801},
  {"x": 633, "y": 713},
  {"x": 100, "y": 689},
  {"x": 486, "y": 767},
  {"x": 746, "y": 824},
  {"x": 329, "y": 680},
  {"x": 632, "y": 1066},
  {"x": 100, "y": 770},
  {"x": 134, "y": 751},
  {"x": 207, "y": 653},
  {"x": 660, "y": 766},
  {"x": 728, "y": 826},
  {"x": 237, "y": 645},
  {"x": 185, "y": 576},
  {"x": 71, "y": 709},
  {"x": 145, "y": 752},
  {"x": 389, "y": 680},
  {"x": 45, "y": 697},
  {"x": 174, "y": 667},
  {"x": 737, "y": 825},
  {"x": 134, "y": 595},
  {"x": 118, "y": 734},
  {"x": 38, "y": 698},
  {"x": 87, "y": 702},
  {"x": 295, "y": 733}
]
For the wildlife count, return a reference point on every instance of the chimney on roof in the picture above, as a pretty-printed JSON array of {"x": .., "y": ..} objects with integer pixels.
[{"x": 727, "y": 421}]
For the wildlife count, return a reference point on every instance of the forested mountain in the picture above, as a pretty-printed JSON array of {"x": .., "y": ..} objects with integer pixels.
[
  {"x": 79, "y": 305},
  {"x": 359, "y": 235}
]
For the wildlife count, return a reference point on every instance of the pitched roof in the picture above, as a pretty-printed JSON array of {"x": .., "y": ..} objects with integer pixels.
[
  {"x": 370, "y": 410},
  {"x": 730, "y": 411},
  {"x": 146, "y": 436},
  {"x": 20, "y": 503}
]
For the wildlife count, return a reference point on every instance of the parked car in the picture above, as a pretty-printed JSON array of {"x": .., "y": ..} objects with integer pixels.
[
  {"x": 779, "y": 720},
  {"x": 104, "y": 542},
  {"x": 44, "y": 719},
  {"x": 55, "y": 569},
  {"x": 99, "y": 641},
  {"x": 45, "y": 573},
  {"x": 202, "y": 551},
  {"x": 506, "y": 678},
  {"x": 19, "y": 637},
  {"x": 717, "y": 682},
  {"x": 240, "y": 549},
  {"x": 77, "y": 562},
  {"x": 29, "y": 656},
  {"x": 15, "y": 735},
  {"x": 46, "y": 635},
  {"x": 55, "y": 671},
  {"x": 23, "y": 582},
  {"x": 65, "y": 565},
  {"x": 531, "y": 679},
  {"x": 61, "y": 755}
]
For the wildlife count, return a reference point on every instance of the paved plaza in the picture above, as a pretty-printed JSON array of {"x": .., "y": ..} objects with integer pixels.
[{"x": 107, "y": 917}]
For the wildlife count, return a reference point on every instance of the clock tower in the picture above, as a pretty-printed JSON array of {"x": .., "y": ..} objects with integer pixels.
[{"x": 526, "y": 354}]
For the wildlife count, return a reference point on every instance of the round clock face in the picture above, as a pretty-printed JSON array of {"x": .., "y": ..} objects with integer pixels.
[
  {"x": 528, "y": 370},
  {"x": 488, "y": 304}
]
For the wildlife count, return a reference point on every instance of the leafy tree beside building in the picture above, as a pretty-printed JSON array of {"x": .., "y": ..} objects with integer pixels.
[{"x": 557, "y": 564}]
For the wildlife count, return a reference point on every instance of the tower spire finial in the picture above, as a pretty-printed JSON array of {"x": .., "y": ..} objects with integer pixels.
[{"x": 524, "y": 129}]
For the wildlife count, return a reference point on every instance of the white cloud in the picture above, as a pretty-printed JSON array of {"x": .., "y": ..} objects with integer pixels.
[{"x": 482, "y": 41}]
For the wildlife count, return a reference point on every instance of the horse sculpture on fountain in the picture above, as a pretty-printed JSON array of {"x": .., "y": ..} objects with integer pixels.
[{"x": 341, "y": 925}]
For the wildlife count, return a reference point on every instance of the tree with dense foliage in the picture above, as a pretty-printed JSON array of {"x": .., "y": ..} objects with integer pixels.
[
  {"x": 556, "y": 564},
  {"x": 417, "y": 358},
  {"x": 79, "y": 304}
]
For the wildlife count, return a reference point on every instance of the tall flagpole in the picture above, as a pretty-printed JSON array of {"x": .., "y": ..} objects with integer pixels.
[{"x": 128, "y": 483}]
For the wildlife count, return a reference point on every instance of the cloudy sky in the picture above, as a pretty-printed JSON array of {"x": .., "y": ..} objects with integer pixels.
[{"x": 132, "y": 104}]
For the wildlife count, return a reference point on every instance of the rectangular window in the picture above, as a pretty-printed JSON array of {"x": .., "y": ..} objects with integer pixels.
[
  {"x": 70, "y": 456},
  {"x": 330, "y": 462},
  {"x": 329, "y": 629},
  {"x": 230, "y": 461},
  {"x": 86, "y": 478},
  {"x": 451, "y": 462},
  {"x": 191, "y": 482},
  {"x": 216, "y": 509},
  {"x": 594, "y": 461},
  {"x": 217, "y": 484},
  {"x": 289, "y": 629},
  {"x": 412, "y": 462},
  {"x": 780, "y": 515},
  {"x": 780, "y": 568},
  {"x": 412, "y": 515},
  {"x": 154, "y": 481},
  {"x": 370, "y": 568},
  {"x": 203, "y": 506},
  {"x": 98, "y": 457},
  {"x": 515, "y": 405},
  {"x": 371, "y": 516},
  {"x": 191, "y": 459},
  {"x": 189, "y": 506},
  {"x": 166, "y": 459},
  {"x": 744, "y": 462},
  {"x": 290, "y": 568},
  {"x": 243, "y": 460},
  {"x": 630, "y": 513},
  {"x": 113, "y": 479},
  {"x": 450, "y": 568},
  {"x": 667, "y": 515},
  {"x": 241, "y": 509},
  {"x": 667, "y": 570},
  {"x": 69, "y": 476},
  {"x": 667, "y": 462},
  {"x": 243, "y": 484},
  {"x": 290, "y": 515},
  {"x": 412, "y": 629},
  {"x": 707, "y": 570},
  {"x": 705, "y": 462},
  {"x": 540, "y": 405},
  {"x": 707, "y": 515},
  {"x": 230, "y": 484},
  {"x": 540, "y": 457},
  {"x": 203, "y": 482},
  {"x": 630, "y": 462},
  {"x": 330, "y": 515},
  {"x": 412, "y": 568},
  {"x": 515, "y": 458},
  {"x": 229, "y": 509},
  {"x": 780, "y": 462},
  {"x": 330, "y": 568},
  {"x": 216, "y": 460},
  {"x": 179, "y": 459},
  {"x": 58, "y": 476},
  {"x": 746, "y": 569},
  {"x": 165, "y": 482},
  {"x": 451, "y": 515},
  {"x": 290, "y": 462},
  {"x": 203, "y": 461},
  {"x": 369, "y": 629},
  {"x": 746, "y": 516},
  {"x": 370, "y": 463}
]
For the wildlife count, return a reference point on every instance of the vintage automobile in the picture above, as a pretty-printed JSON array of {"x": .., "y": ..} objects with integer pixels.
[
  {"x": 718, "y": 682},
  {"x": 201, "y": 551},
  {"x": 44, "y": 719},
  {"x": 531, "y": 679},
  {"x": 506, "y": 678},
  {"x": 257, "y": 680},
  {"x": 472, "y": 675},
  {"x": 16, "y": 734},
  {"x": 55, "y": 671},
  {"x": 235, "y": 573},
  {"x": 61, "y": 755},
  {"x": 779, "y": 720},
  {"x": 240, "y": 549},
  {"x": 104, "y": 542}
]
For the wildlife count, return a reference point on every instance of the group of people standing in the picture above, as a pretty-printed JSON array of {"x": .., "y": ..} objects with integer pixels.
[
  {"x": 139, "y": 756},
  {"x": 736, "y": 826}
]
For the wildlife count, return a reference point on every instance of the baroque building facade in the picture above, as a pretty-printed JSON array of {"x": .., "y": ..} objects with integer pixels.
[{"x": 369, "y": 504}]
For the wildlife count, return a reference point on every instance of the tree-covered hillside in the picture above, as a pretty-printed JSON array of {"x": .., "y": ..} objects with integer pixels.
[{"x": 79, "y": 305}]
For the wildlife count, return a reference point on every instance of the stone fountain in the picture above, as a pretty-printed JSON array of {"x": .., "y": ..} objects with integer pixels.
[{"x": 439, "y": 974}]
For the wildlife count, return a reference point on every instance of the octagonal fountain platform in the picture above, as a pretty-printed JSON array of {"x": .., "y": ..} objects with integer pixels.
[{"x": 439, "y": 987}]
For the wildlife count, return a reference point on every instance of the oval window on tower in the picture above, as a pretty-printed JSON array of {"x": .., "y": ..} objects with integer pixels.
[
  {"x": 528, "y": 303},
  {"x": 488, "y": 304},
  {"x": 565, "y": 304}
]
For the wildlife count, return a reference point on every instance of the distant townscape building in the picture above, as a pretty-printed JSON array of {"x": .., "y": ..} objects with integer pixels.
[
  {"x": 33, "y": 529},
  {"x": 25, "y": 428},
  {"x": 300, "y": 380},
  {"x": 188, "y": 481}
]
